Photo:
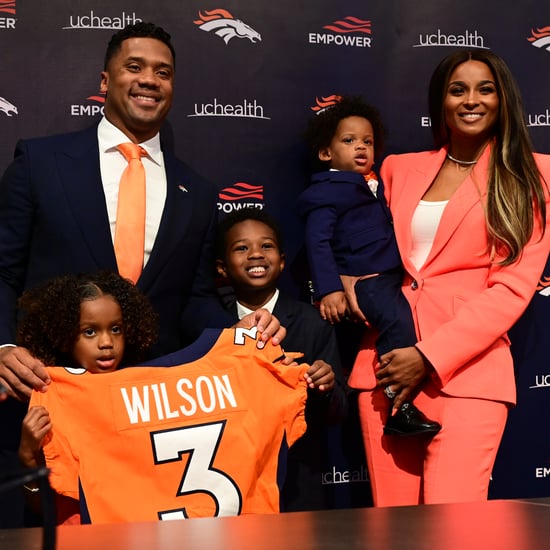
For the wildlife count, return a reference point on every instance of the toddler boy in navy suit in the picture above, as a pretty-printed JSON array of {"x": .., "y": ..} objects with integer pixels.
[{"x": 349, "y": 231}]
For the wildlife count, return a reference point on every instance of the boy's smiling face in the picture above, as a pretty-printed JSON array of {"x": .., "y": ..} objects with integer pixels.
[{"x": 253, "y": 261}]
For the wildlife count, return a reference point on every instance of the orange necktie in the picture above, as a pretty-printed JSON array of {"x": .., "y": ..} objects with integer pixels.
[{"x": 130, "y": 216}]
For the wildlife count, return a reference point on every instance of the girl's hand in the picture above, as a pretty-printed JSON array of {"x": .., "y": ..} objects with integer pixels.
[{"x": 36, "y": 426}]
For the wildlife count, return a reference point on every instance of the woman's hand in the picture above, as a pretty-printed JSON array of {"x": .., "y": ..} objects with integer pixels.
[{"x": 402, "y": 370}]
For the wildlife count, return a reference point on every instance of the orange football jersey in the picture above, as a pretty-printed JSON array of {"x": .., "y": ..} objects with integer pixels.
[{"x": 198, "y": 439}]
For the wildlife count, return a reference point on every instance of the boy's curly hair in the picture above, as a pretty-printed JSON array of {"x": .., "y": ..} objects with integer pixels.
[
  {"x": 322, "y": 127},
  {"x": 50, "y": 320}
]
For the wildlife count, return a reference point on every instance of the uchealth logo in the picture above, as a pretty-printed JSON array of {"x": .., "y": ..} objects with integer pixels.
[
  {"x": 439, "y": 39},
  {"x": 543, "y": 288},
  {"x": 223, "y": 24},
  {"x": 240, "y": 195},
  {"x": 9, "y": 109},
  {"x": 246, "y": 109},
  {"x": 93, "y": 21},
  {"x": 349, "y": 31},
  {"x": 7, "y": 14},
  {"x": 324, "y": 103},
  {"x": 335, "y": 476},
  {"x": 540, "y": 38},
  {"x": 91, "y": 109}
]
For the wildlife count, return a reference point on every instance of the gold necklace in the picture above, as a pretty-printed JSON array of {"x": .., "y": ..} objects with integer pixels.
[{"x": 461, "y": 162}]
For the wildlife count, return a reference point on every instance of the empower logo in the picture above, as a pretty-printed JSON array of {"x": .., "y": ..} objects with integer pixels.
[
  {"x": 224, "y": 25},
  {"x": 7, "y": 14},
  {"x": 9, "y": 109},
  {"x": 540, "y": 38},
  {"x": 91, "y": 109},
  {"x": 349, "y": 31},
  {"x": 325, "y": 102},
  {"x": 240, "y": 195},
  {"x": 7, "y": 6}
]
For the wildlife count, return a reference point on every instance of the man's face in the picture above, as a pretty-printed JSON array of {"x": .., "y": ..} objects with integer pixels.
[{"x": 139, "y": 83}]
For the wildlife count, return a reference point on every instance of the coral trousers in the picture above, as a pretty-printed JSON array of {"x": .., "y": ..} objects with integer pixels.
[{"x": 453, "y": 466}]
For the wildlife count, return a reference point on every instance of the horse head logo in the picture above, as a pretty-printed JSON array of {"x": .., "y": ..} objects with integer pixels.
[
  {"x": 223, "y": 24},
  {"x": 540, "y": 38},
  {"x": 543, "y": 288},
  {"x": 7, "y": 107}
]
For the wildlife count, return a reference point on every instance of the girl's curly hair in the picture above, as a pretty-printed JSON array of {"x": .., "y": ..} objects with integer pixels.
[{"x": 50, "y": 320}]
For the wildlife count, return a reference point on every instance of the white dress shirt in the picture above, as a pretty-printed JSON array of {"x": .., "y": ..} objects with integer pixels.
[
  {"x": 112, "y": 163},
  {"x": 242, "y": 310}
]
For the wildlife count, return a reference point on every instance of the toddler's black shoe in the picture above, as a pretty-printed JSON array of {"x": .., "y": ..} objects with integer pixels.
[{"x": 408, "y": 420}]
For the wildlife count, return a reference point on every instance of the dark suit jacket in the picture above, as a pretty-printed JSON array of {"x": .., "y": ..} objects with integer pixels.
[
  {"x": 349, "y": 231},
  {"x": 307, "y": 458},
  {"x": 53, "y": 221}
]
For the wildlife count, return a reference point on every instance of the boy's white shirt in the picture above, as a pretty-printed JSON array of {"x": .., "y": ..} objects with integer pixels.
[{"x": 242, "y": 310}]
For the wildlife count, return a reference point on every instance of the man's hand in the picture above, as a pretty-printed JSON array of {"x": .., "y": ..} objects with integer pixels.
[
  {"x": 20, "y": 373},
  {"x": 267, "y": 324}
]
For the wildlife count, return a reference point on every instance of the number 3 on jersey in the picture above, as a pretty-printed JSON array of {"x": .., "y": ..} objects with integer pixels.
[{"x": 201, "y": 443}]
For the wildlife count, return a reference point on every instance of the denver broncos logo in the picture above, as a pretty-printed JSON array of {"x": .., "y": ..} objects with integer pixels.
[
  {"x": 540, "y": 38},
  {"x": 349, "y": 24},
  {"x": 325, "y": 103},
  {"x": 8, "y": 108},
  {"x": 223, "y": 24},
  {"x": 543, "y": 288}
]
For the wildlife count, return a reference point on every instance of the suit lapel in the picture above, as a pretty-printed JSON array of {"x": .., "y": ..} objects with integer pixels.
[
  {"x": 466, "y": 197},
  {"x": 174, "y": 222},
  {"x": 405, "y": 199},
  {"x": 283, "y": 310},
  {"x": 80, "y": 175},
  {"x": 416, "y": 183}
]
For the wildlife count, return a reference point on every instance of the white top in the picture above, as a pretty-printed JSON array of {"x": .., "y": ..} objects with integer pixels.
[
  {"x": 112, "y": 163},
  {"x": 424, "y": 224},
  {"x": 242, "y": 310}
]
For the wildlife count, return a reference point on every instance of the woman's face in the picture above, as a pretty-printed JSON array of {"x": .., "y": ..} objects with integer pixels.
[{"x": 471, "y": 102}]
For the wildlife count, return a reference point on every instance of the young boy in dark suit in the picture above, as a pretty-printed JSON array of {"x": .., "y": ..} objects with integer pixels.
[{"x": 251, "y": 260}]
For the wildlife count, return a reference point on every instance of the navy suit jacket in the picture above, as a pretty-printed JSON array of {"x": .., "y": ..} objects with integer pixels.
[
  {"x": 349, "y": 231},
  {"x": 307, "y": 458},
  {"x": 54, "y": 221}
]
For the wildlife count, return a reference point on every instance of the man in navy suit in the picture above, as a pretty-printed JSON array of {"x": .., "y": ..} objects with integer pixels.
[{"x": 58, "y": 203}]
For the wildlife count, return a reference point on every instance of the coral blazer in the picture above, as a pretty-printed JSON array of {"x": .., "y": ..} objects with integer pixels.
[{"x": 463, "y": 304}]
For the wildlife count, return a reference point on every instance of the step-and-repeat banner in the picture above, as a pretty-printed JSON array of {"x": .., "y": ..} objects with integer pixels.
[{"x": 249, "y": 75}]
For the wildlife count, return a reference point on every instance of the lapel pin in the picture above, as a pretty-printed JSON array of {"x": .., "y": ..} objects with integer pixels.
[{"x": 182, "y": 188}]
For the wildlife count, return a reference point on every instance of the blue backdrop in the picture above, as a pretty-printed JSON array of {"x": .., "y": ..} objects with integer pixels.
[{"x": 249, "y": 75}]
